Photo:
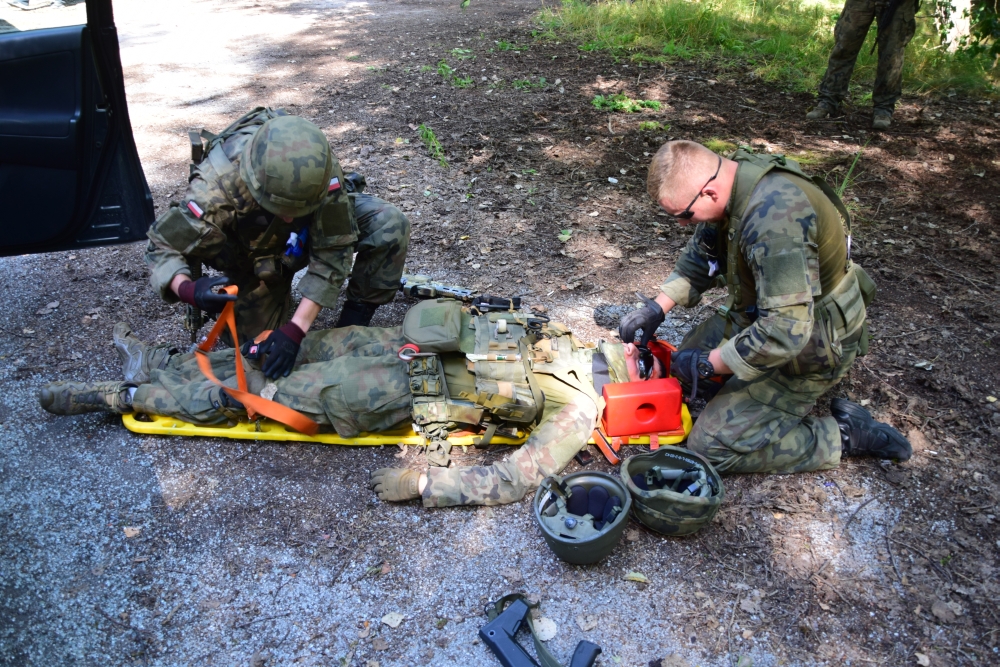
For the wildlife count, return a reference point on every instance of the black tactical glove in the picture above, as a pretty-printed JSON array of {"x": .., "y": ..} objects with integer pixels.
[
  {"x": 199, "y": 293},
  {"x": 648, "y": 318},
  {"x": 281, "y": 348},
  {"x": 695, "y": 373}
]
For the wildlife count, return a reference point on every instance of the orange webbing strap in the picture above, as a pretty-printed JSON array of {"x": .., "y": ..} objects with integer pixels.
[{"x": 254, "y": 404}]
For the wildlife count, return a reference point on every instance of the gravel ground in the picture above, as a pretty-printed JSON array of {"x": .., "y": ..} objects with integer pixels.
[{"x": 123, "y": 549}]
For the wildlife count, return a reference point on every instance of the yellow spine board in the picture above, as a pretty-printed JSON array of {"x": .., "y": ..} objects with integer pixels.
[{"x": 266, "y": 429}]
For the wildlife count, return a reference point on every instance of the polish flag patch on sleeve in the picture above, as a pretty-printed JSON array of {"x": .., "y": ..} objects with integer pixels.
[
  {"x": 194, "y": 208},
  {"x": 334, "y": 185}
]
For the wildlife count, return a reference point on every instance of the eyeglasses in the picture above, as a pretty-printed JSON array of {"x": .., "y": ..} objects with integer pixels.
[{"x": 687, "y": 213}]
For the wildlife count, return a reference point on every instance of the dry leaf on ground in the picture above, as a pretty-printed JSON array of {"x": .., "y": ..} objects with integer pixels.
[
  {"x": 587, "y": 622},
  {"x": 545, "y": 628},
  {"x": 393, "y": 619},
  {"x": 380, "y": 644},
  {"x": 922, "y": 659},
  {"x": 132, "y": 531},
  {"x": 637, "y": 576}
]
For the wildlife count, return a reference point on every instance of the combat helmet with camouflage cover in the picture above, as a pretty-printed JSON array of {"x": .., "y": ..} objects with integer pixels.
[
  {"x": 582, "y": 515},
  {"x": 674, "y": 491},
  {"x": 287, "y": 166}
]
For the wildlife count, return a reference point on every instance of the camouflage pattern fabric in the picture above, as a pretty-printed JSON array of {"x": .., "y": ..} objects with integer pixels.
[
  {"x": 351, "y": 379},
  {"x": 849, "y": 35},
  {"x": 761, "y": 425},
  {"x": 235, "y": 236},
  {"x": 347, "y": 378}
]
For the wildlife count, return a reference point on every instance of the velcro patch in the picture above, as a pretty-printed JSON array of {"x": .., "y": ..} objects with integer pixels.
[{"x": 784, "y": 273}]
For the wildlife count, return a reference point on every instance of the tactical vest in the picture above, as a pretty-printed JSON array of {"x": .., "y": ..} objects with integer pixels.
[
  {"x": 261, "y": 239},
  {"x": 845, "y": 288},
  {"x": 499, "y": 349}
]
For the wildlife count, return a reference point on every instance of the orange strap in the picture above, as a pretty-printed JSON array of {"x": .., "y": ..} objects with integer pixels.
[{"x": 254, "y": 404}]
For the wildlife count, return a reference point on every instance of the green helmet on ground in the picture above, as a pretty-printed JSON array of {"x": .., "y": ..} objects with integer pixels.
[
  {"x": 287, "y": 166},
  {"x": 582, "y": 515},
  {"x": 674, "y": 491}
]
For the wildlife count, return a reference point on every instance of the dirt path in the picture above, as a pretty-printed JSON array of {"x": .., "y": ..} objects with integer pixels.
[{"x": 270, "y": 554}]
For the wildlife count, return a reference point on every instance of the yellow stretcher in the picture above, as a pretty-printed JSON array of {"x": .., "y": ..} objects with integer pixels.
[{"x": 266, "y": 429}]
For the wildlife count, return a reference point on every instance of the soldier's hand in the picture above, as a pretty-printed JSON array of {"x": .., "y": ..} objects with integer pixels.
[
  {"x": 648, "y": 318},
  {"x": 695, "y": 372},
  {"x": 199, "y": 293},
  {"x": 281, "y": 348},
  {"x": 395, "y": 484}
]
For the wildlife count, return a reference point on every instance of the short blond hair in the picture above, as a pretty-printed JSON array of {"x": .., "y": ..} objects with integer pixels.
[{"x": 676, "y": 167}]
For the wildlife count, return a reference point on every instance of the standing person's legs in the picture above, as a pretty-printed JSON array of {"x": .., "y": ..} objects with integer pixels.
[
  {"x": 892, "y": 41},
  {"x": 849, "y": 36}
]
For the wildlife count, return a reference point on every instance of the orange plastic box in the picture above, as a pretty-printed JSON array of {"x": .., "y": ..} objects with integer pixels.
[{"x": 636, "y": 408}]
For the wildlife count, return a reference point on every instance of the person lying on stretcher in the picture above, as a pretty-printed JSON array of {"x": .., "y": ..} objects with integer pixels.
[{"x": 353, "y": 381}]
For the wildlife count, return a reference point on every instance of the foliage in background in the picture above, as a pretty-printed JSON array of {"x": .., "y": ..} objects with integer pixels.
[
  {"x": 622, "y": 102},
  {"x": 434, "y": 148},
  {"x": 784, "y": 41}
]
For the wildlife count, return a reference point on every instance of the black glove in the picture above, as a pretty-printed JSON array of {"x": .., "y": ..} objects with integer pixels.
[
  {"x": 695, "y": 373},
  {"x": 281, "y": 348},
  {"x": 648, "y": 318},
  {"x": 199, "y": 293}
]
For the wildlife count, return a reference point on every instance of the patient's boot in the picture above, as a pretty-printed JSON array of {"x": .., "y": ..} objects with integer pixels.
[
  {"x": 138, "y": 358},
  {"x": 74, "y": 398}
]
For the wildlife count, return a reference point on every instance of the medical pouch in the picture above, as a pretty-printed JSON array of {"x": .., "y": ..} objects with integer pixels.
[{"x": 434, "y": 325}]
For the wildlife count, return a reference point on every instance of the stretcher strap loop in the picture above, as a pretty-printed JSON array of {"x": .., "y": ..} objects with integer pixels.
[{"x": 255, "y": 405}]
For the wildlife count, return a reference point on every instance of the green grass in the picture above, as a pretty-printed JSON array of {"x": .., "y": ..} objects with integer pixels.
[
  {"x": 525, "y": 85},
  {"x": 434, "y": 148},
  {"x": 782, "y": 41},
  {"x": 720, "y": 146},
  {"x": 462, "y": 54},
  {"x": 652, "y": 126},
  {"x": 624, "y": 103},
  {"x": 503, "y": 45}
]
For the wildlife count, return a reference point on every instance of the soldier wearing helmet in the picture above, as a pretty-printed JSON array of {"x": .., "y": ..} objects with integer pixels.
[{"x": 266, "y": 199}]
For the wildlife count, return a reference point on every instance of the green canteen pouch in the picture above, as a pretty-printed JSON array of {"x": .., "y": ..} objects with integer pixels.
[{"x": 434, "y": 325}]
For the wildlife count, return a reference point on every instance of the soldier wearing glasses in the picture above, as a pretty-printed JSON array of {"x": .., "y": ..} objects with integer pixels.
[{"x": 794, "y": 321}]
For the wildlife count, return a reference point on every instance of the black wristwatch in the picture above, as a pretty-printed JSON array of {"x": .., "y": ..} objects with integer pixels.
[{"x": 705, "y": 368}]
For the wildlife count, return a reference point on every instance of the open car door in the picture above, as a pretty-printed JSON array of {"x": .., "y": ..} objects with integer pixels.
[{"x": 69, "y": 171}]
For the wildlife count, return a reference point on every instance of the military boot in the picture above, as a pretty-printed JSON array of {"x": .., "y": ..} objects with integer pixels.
[
  {"x": 138, "y": 358},
  {"x": 820, "y": 111},
  {"x": 74, "y": 398},
  {"x": 861, "y": 435},
  {"x": 356, "y": 314},
  {"x": 881, "y": 119}
]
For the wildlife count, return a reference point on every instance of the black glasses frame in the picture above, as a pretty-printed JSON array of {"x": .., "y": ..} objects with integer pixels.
[{"x": 687, "y": 213}]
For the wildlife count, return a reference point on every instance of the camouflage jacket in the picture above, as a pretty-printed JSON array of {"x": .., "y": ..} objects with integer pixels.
[
  {"x": 791, "y": 254},
  {"x": 221, "y": 225}
]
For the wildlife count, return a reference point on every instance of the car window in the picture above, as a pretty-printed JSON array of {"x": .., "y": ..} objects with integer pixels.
[{"x": 19, "y": 15}]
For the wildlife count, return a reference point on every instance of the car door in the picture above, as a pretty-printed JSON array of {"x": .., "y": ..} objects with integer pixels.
[{"x": 70, "y": 175}]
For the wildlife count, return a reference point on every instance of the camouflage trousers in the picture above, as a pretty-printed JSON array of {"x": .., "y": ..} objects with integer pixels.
[
  {"x": 763, "y": 425},
  {"x": 348, "y": 378},
  {"x": 383, "y": 239},
  {"x": 849, "y": 35},
  {"x": 351, "y": 379}
]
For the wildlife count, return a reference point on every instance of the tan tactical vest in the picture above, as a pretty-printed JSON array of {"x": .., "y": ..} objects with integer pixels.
[{"x": 487, "y": 381}]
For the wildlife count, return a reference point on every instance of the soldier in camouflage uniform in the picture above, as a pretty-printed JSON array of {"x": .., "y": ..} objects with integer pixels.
[
  {"x": 894, "y": 33},
  {"x": 794, "y": 322},
  {"x": 352, "y": 380},
  {"x": 268, "y": 200}
]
